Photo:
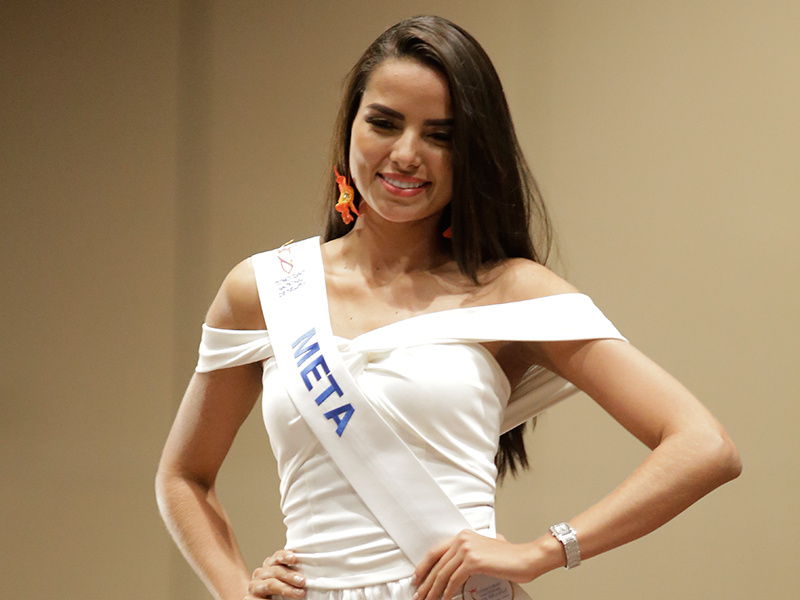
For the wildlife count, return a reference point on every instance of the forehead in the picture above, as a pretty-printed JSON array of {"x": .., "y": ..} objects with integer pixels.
[{"x": 399, "y": 83}]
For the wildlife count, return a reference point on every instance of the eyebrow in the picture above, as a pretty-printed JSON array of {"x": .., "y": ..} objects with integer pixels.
[{"x": 398, "y": 115}]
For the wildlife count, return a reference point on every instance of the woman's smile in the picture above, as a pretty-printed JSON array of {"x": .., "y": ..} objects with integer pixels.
[{"x": 402, "y": 185}]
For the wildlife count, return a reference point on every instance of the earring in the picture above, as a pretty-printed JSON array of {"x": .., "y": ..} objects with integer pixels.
[
  {"x": 448, "y": 233},
  {"x": 346, "y": 195}
]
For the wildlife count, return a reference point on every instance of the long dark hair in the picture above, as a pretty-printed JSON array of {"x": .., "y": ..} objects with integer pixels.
[{"x": 495, "y": 197}]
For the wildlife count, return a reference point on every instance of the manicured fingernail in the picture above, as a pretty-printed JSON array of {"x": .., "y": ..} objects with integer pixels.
[
  {"x": 414, "y": 579},
  {"x": 415, "y": 596},
  {"x": 298, "y": 579},
  {"x": 299, "y": 593}
]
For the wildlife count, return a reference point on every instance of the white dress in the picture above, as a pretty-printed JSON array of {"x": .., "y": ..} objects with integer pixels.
[{"x": 431, "y": 380}]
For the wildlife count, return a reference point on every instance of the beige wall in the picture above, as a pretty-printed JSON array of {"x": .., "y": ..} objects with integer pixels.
[{"x": 147, "y": 147}]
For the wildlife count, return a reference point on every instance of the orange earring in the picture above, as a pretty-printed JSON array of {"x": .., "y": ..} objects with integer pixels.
[
  {"x": 448, "y": 233},
  {"x": 346, "y": 195}
]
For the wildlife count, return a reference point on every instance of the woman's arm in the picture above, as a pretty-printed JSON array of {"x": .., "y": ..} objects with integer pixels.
[
  {"x": 691, "y": 455},
  {"x": 214, "y": 407},
  {"x": 691, "y": 452},
  {"x": 212, "y": 410}
]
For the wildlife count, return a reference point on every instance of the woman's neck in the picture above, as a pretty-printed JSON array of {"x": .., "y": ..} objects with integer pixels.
[{"x": 381, "y": 249}]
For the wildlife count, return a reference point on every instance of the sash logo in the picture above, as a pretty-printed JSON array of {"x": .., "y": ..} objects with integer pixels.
[
  {"x": 285, "y": 257},
  {"x": 317, "y": 369}
]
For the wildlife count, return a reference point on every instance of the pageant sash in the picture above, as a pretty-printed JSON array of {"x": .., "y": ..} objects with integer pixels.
[{"x": 406, "y": 500}]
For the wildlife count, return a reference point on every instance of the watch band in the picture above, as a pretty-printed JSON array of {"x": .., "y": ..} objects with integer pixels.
[{"x": 565, "y": 534}]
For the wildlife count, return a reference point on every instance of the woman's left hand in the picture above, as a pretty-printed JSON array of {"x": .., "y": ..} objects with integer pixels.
[{"x": 446, "y": 566}]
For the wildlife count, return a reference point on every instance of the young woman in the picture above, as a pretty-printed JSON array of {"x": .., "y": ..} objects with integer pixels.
[{"x": 436, "y": 230}]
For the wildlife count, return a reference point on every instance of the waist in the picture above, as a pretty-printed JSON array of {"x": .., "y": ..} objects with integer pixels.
[
  {"x": 368, "y": 561},
  {"x": 399, "y": 589}
]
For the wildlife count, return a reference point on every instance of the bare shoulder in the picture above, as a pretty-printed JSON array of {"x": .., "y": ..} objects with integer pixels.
[
  {"x": 522, "y": 279},
  {"x": 237, "y": 305}
]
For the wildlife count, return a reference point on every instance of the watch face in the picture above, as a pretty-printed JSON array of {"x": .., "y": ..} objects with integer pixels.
[{"x": 561, "y": 528}]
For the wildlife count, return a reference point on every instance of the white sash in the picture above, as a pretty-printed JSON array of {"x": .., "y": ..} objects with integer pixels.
[{"x": 406, "y": 500}]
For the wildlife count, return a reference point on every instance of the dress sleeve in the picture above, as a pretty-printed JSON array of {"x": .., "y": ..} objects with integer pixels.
[
  {"x": 559, "y": 317},
  {"x": 223, "y": 348},
  {"x": 539, "y": 389}
]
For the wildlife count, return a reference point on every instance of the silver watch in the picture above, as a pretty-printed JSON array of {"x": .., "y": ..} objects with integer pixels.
[{"x": 567, "y": 536}]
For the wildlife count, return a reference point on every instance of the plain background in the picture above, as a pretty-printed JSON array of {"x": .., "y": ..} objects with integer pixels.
[{"x": 148, "y": 146}]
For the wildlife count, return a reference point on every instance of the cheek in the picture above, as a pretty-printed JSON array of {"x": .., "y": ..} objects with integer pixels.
[
  {"x": 365, "y": 157},
  {"x": 356, "y": 158},
  {"x": 359, "y": 171},
  {"x": 445, "y": 170}
]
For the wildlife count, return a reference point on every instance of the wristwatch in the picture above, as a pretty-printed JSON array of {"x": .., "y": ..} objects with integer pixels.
[{"x": 567, "y": 536}]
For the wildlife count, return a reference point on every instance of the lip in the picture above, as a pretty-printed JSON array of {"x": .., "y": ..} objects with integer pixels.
[
  {"x": 388, "y": 178},
  {"x": 401, "y": 177}
]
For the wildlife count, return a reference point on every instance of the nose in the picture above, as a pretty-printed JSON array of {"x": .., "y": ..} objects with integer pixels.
[{"x": 406, "y": 151}]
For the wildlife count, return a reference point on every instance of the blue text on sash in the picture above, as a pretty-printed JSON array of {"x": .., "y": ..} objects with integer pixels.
[{"x": 317, "y": 369}]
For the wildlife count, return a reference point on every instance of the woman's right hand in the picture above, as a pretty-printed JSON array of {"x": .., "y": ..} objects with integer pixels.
[{"x": 278, "y": 575}]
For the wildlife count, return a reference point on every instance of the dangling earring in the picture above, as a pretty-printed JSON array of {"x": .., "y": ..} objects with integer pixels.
[
  {"x": 345, "y": 203},
  {"x": 448, "y": 233}
]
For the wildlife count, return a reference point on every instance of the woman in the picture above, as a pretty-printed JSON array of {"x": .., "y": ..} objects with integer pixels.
[{"x": 437, "y": 222}]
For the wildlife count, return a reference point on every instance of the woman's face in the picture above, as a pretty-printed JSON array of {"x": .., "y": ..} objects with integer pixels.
[{"x": 400, "y": 142}]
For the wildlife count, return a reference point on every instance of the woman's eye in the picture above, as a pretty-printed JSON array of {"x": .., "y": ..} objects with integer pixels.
[
  {"x": 443, "y": 137},
  {"x": 380, "y": 123}
]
